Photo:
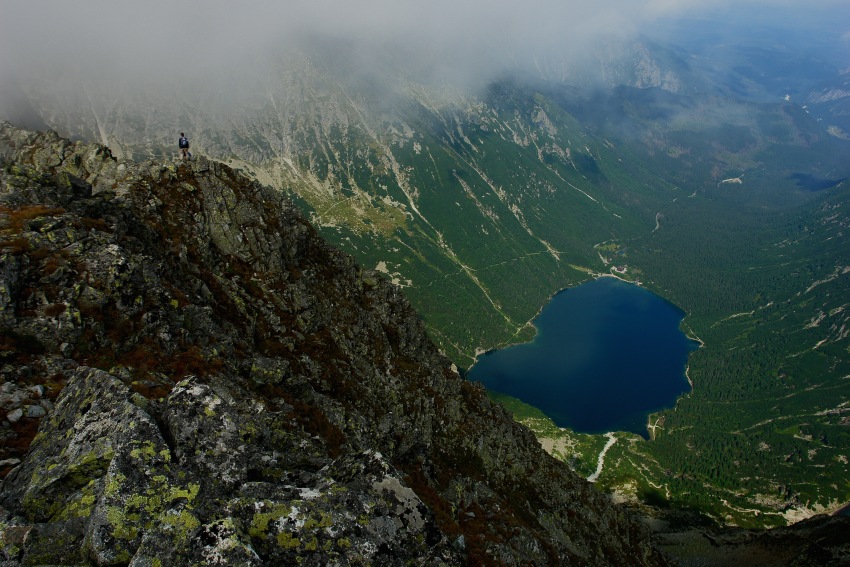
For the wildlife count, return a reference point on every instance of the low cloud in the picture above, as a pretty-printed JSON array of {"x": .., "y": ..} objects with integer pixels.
[{"x": 159, "y": 42}]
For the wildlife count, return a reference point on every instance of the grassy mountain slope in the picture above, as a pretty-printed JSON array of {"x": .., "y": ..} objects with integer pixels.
[{"x": 763, "y": 437}]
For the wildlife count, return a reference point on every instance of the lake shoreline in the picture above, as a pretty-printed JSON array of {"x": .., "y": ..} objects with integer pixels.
[
  {"x": 593, "y": 276},
  {"x": 604, "y": 336}
]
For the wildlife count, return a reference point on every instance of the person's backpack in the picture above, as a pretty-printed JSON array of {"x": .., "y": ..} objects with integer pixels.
[{"x": 184, "y": 142}]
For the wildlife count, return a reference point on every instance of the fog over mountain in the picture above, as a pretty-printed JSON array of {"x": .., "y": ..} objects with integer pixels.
[{"x": 164, "y": 42}]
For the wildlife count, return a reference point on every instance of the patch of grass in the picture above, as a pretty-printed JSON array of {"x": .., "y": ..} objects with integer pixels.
[{"x": 15, "y": 219}]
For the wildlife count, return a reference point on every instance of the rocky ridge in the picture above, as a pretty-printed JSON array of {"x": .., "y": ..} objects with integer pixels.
[{"x": 221, "y": 386}]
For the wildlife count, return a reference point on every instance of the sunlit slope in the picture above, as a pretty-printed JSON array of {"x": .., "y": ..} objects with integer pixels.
[
  {"x": 512, "y": 183},
  {"x": 481, "y": 206},
  {"x": 481, "y": 202}
]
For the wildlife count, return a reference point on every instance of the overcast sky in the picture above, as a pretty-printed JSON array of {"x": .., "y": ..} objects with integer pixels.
[{"x": 159, "y": 38}]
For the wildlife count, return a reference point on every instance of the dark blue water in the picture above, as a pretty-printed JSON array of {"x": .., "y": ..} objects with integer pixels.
[
  {"x": 606, "y": 355},
  {"x": 814, "y": 184}
]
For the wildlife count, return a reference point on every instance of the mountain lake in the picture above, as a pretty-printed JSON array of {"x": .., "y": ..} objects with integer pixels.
[{"x": 606, "y": 355}]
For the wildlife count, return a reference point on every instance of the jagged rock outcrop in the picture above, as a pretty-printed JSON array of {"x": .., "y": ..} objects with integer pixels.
[{"x": 231, "y": 390}]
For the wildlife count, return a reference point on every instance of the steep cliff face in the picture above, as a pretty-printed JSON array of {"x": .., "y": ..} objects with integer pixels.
[{"x": 230, "y": 389}]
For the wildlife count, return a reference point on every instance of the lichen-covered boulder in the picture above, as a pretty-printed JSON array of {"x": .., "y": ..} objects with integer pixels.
[
  {"x": 101, "y": 473},
  {"x": 100, "y": 468}
]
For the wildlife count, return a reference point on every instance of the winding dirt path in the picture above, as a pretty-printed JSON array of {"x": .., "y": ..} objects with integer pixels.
[{"x": 601, "y": 461}]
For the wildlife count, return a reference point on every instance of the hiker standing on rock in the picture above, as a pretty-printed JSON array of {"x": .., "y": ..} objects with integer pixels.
[{"x": 184, "y": 146}]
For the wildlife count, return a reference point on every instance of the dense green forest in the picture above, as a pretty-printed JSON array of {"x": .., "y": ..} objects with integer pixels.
[
  {"x": 763, "y": 271},
  {"x": 767, "y": 421},
  {"x": 701, "y": 200}
]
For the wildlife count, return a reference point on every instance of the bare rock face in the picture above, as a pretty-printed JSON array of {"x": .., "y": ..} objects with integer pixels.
[
  {"x": 220, "y": 386},
  {"x": 101, "y": 468}
]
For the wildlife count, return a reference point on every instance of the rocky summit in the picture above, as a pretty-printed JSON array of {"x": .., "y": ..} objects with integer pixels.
[{"x": 191, "y": 375}]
